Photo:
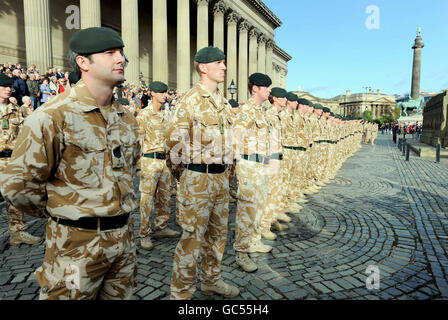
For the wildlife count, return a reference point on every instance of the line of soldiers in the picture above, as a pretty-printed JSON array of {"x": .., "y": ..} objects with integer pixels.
[
  {"x": 370, "y": 133},
  {"x": 75, "y": 159}
]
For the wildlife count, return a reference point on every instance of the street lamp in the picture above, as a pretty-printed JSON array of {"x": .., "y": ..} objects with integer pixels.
[
  {"x": 232, "y": 88},
  {"x": 366, "y": 88}
]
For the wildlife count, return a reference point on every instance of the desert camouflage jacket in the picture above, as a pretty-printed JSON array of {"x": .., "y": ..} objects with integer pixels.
[{"x": 74, "y": 159}]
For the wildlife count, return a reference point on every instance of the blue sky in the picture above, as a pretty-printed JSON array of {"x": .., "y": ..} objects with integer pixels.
[{"x": 333, "y": 50}]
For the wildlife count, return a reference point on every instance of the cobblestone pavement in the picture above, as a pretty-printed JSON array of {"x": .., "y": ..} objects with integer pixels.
[{"x": 380, "y": 211}]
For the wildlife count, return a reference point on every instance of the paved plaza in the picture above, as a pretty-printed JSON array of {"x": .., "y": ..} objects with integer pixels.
[{"x": 380, "y": 212}]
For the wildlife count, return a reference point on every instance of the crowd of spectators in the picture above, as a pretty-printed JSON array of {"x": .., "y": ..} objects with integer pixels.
[{"x": 32, "y": 88}]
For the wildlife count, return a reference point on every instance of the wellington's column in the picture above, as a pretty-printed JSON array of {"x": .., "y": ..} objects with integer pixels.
[
  {"x": 218, "y": 29},
  {"x": 183, "y": 46},
  {"x": 38, "y": 33},
  {"x": 242, "y": 61},
  {"x": 90, "y": 13},
  {"x": 416, "y": 67},
  {"x": 232, "y": 20},
  {"x": 129, "y": 22},
  {"x": 253, "y": 35},
  {"x": 202, "y": 26},
  {"x": 269, "y": 53},
  {"x": 262, "y": 54},
  {"x": 160, "y": 40}
]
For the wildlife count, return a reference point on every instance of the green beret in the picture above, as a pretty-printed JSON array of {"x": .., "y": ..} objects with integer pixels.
[
  {"x": 318, "y": 106},
  {"x": 278, "y": 92},
  {"x": 5, "y": 81},
  {"x": 94, "y": 40},
  {"x": 260, "y": 79},
  {"x": 304, "y": 102},
  {"x": 158, "y": 86},
  {"x": 292, "y": 97},
  {"x": 326, "y": 110},
  {"x": 123, "y": 101},
  {"x": 73, "y": 78},
  {"x": 234, "y": 103},
  {"x": 209, "y": 54}
]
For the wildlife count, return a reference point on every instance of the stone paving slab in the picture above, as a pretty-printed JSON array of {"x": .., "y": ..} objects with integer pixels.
[{"x": 380, "y": 211}]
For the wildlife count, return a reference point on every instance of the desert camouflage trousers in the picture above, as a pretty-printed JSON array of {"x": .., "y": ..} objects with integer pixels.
[
  {"x": 310, "y": 158},
  {"x": 322, "y": 161},
  {"x": 84, "y": 264},
  {"x": 253, "y": 178},
  {"x": 274, "y": 204},
  {"x": 155, "y": 188},
  {"x": 299, "y": 167},
  {"x": 15, "y": 216},
  {"x": 287, "y": 175},
  {"x": 203, "y": 202}
]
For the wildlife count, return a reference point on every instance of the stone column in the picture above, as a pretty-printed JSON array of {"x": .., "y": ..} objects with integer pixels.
[
  {"x": 183, "y": 46},
  {"x": 90, "y": 13},
  {"x": 38, "y": 34},
  {"x": 160, "y": 41},
  {"x": 232, "y": 20},
  {"x": 202, "y": 24},
  {"x": 262, "y": 54},
  {"x": 242, "y": 61},
  {"x": 269, "y": 53},
  {"x": 253, "y": 35},
  {"x": 130, "y": 35},
  {"x": 417, "y": 64},
  {"x": 218, "y": 25},
  {"x": 218, "y": 30}
]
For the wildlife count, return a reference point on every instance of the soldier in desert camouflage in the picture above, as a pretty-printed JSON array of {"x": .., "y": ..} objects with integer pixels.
[
  {"x": 11, "y": 118},
  {"x": 197, "y": 156},
  {"x": 251, "y": 131},
  {"x": 155, "y": 177},
  {"x": 74, "y": 162},
  {"x": 276, "y": 190}
]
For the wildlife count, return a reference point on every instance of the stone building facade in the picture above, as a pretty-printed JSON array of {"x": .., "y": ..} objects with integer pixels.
[
  {"x": 161, "y": 36},
  {"x": 435, "y": 120}
]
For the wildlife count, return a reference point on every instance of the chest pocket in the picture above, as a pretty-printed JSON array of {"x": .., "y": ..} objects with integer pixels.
[
  {"x": 83, "y": 159},
  {"x": 210, "y": 126}
]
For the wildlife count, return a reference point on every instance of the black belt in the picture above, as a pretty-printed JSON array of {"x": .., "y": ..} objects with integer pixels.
[
  {"x": 155, "y": 155},
  {"x": 5, "y": 154},
  {"x": 256, "y": 158},
  {"x": 276, "y": 156},
  {"x": 91, "y": 223},
  {"x": 207, "y": 168}
]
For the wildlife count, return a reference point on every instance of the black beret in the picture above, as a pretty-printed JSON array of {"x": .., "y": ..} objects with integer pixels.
[
  {"x": 304, "y": 102},
  {"x": 73, "y": 77},
  {"x": 94, "y": 40},
  {"x": 278, "y": 92},
  {"x": 209, "y": 54},
  {"x": 260, "y": 79},
  {"x": 292, "y": 97},
  {"x": 158, "y": 86},
  {"x": 123, "y": 101},
  {"x": 5, "y": 81},
  {"x": 234, "y": 103}
]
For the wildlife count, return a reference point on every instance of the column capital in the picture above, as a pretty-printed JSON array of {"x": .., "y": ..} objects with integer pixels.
[
  {"x": 262, "y": 39},
  {"x": 254, "y": 33},
  {"x": 232, "y": 18},
  {"x": 202, "y": 2},
  {"x": 270, "y": 44},
  {"x": 219, "y": 8},
  {"x": 243, "y": 25}
]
